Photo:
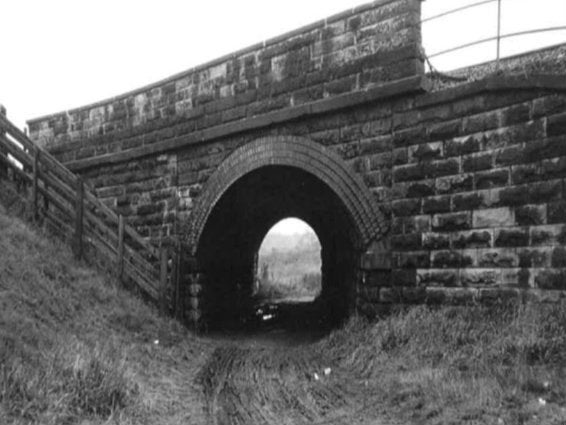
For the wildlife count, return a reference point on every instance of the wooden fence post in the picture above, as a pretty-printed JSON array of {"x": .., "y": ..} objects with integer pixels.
[
  {"x": 120, "y": 246},
  {"x": 163, "y": 280},
  {"x": 45, "y": 197},
  {"x": 176, "y": 278},
  {"x": 34, "y": 188},
  {"x": 79, "y": 210}
]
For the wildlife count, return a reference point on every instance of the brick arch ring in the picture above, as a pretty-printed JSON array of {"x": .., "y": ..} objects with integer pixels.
[{"x": 300, "y": 153}]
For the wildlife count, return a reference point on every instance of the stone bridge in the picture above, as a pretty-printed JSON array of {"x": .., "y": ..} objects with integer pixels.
[{"x": 418, "y": 190}]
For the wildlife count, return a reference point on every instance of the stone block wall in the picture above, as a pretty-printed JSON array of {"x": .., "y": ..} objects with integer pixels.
[
  {"x": 472, "y": 179},
  {"x": 352, "y": 51},
  {"x": 478, "y": 196}
]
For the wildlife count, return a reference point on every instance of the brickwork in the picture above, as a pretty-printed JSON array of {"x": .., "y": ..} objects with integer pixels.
[
  {"x": 457, "y": 195},
  {"x": 470, "y": 181},
  {"x": 299, "y": 153},
  {"x": 349, "y": 52}
]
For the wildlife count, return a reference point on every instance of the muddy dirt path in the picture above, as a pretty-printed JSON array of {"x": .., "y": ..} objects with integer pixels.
[{"x": 274, "y": 380}]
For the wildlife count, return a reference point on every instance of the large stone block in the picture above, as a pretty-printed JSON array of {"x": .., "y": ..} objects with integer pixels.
[
  {"x": 420, "y": 189},
  {"x": 510, "y": 155},
  {"x": 514, "y": 277},
  {"x": 481, "y": 122},
  {"x": 480, "y": 277},
  {"x": 492, "y": 178},
  {"x": 493, "y": 217},
  {"x": 454, "y": 184},
  {"x": 556, "y": 124},
  {"x": 553, "y": 168},
  {"x": 558, "y": 258},
  {"x": 444, "y": 130},
  {"x": 551, "y": 279},
  {"x": 515, "y": 114},
  {"x": 434, "y": 241},
  {"x": 407, "y": 242},
  {"x": 413, "y": 260},
  {"x": 470, "y": 200},
  {"x": 417, "y": 224},
  {"x": 472, "y": 239},
  {"x": 512, "y": 237},
  {"x": 450, "y": 259},
  {"x": 556, "y": 213},
  {"x": 500, "y": 258},
  {"x": 463, "y": 146},
  {"x": 406, "y": 207},
  {"x": 452, "y": 221},
  {"x": 407, "y": 277},
  {"x": 452, "y": 296},
  {"x": 534, "y": 257},
  {"x": 477, "y": 162},
  {"x": 425, "y": 151},
  {"x": 435, "y": 277},
  {"x": 437, "y": 204},
  {"x": 408, "y": 172},
  {"x": 554, "y": 234},
  {"x": 526, "y": 173},
  {"x": 441, "y": 168},
  {"x": 530, "y": 215}
]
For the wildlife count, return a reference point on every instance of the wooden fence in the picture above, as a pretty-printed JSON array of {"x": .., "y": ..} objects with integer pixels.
[{"x": 62, "y": 198}]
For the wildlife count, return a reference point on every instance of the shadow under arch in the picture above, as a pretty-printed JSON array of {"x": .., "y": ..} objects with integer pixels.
[{"x": 260, "y": 184}]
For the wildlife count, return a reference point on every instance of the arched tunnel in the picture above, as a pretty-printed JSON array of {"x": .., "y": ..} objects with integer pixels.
[
  {"x": 240, "y": 220},
  {"x": 257, "y": 186}
]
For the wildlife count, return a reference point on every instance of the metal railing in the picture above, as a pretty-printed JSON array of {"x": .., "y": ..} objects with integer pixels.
[{"x": 495, "y": 38}]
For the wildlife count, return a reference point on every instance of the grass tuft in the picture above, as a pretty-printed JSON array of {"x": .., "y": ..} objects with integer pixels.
[
  {"x": 466, "y": 365},
  {"x": 76, "y": 347}
]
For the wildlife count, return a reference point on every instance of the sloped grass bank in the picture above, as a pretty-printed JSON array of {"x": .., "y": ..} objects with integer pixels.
[
  {"x": 505, "y": 364},
  {"x": 76, "y": 347}
]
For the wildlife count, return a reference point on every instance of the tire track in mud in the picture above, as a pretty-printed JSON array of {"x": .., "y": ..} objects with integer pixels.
[{"x": 277, "y": 386}]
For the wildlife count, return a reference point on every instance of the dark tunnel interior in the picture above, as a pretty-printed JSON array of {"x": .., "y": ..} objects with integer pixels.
[{"x": 237, "y": 225}]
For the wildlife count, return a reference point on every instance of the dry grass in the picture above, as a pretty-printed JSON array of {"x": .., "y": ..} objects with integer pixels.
[
  {"x": 546, "y": 61},
  {"x": 500, "y": 365},
  {"x": 75, "y": 347}
]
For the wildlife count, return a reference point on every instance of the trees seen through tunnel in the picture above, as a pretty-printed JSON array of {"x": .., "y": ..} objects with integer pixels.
[{"x": 289, "y": 263}]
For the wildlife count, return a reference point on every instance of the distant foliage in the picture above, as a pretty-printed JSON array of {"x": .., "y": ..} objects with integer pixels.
[{"x": 289, "y": 266}]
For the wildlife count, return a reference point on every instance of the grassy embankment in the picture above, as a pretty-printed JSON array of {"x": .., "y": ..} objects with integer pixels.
[
  {"x": 74, "y": 346},
  {"x": 497, "y": 365}
]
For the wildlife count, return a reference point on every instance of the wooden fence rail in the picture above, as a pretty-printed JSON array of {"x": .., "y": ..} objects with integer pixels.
[{"x": 74, "y": 209}]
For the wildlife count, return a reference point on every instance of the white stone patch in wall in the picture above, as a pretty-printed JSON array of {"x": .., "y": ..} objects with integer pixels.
[
  {"x": 493, "y": 217},
  {"x": 217, "y": 71},
  {"x": 96, "y": 114},
  {"x": 183, "y": 106},
  {"x": 206, "y": 87},
  {"x": 226, "y": 91},
  {"x": 278, "y": 67},
  {"x": 183, "y": 83},
  {"x": 341, "y": 57}
]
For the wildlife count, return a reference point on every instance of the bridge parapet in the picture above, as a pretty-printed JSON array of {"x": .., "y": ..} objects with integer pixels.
[{"x": 351, "y": 51}]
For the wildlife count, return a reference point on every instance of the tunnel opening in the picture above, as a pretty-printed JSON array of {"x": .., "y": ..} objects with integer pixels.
[
  {"x": 288, "y": 265},
  {"x": 228, "y": 248}
]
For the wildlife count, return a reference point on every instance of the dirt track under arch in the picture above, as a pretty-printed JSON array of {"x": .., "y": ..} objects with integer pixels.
[{"x": 283, "y": 378}]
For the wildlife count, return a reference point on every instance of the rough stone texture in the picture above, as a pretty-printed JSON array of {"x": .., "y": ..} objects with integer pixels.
[
  {"x": 348, "y": 52},
  {"x": 470, "y": 180}
]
